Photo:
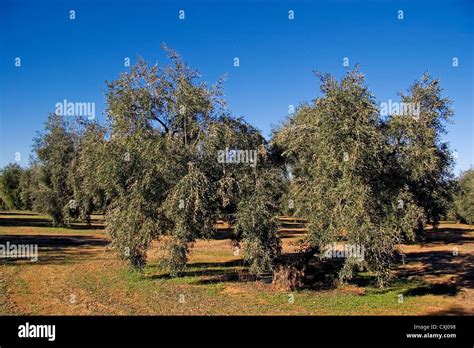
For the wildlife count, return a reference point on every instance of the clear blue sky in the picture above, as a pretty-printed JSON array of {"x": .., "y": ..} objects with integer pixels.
[{"x": 71, "y": 59}]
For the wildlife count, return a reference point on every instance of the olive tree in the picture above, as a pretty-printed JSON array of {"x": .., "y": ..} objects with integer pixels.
[
  {"x": 348, "y": 178},
  {"x": 54, "y": 150},
  {"x": 464, "y": 197},
  {"x": 423, "y": 159},
  {"x": 10, "y": 191},
  {"x": 157, "y": 162}
]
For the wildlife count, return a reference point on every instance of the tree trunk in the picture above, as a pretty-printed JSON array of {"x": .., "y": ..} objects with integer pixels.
[{"x": 291, "y": 275}]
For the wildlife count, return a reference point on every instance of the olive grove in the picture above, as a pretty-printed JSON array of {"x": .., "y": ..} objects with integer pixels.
[{"x": 171, "y": 160}]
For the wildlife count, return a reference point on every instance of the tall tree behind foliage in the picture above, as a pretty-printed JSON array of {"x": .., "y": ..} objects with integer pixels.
[
  {"x": 464, "y": 197},
  {"x": 10, "y": 185},
  {"x": 54, "y": 150},
  {"x": 423, "y": 159}
]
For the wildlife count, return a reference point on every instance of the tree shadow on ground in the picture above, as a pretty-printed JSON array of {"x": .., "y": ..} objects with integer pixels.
[
  {"x": 22, "y": 222},
  {"x": 213, "y": 272},
  {"x": 433, "y": 289},
  {"x": 437, "y": 264},
  {"x": 416, "y": 288},
  {"x": 17, "y": 213},
  {"x": 454, "y": 310},
  {"x": 440, "y": 263},
  {"x": 84, "y": 226},
  {"x": 44, "y": 222},
  {"x": 231, "y": 263},
  {"x": 448, "y": 235},
  {"x": 322, "y": 274},
  {"x": 220, "y": 234},
  {"x": 55, "y": 249},
  {"x": 282, "y": 233},
  {"x": 451, "y": 271}
]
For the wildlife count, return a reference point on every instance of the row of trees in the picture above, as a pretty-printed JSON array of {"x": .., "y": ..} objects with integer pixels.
[
  {"x": 463, "y": 205},
  {"x": 152, "y": 168}
]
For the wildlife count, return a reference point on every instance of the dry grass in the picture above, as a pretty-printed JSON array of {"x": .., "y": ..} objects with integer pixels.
[{"x": 78, "y": 274}]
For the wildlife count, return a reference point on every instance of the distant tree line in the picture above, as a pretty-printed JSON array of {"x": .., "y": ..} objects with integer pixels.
[{"x": 153, "y": 170}]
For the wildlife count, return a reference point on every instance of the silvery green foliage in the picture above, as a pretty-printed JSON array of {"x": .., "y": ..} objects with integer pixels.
[
  {"x": 156, "y": 164},
  {"x": 28, "y": 184},
  {"x": 248, "y": 197},
  {"x": 10, "y": 186},
  {"x": 347, "y": 175},
  {"x": 190, "y": 208},
  {"x": 54, "y": 150},
  {"x": 256, "y": 223},
  {"x": 423, "y": 160},
  {"x": 464, "y": 197},
  {"x": 56, "y": 182},
  {"x": 88, "y": 194}
]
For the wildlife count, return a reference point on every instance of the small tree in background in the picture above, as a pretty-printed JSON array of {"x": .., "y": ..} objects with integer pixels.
[
  {"x": 28, "y": 186},
  {"x": 54, "y": 151},
  {"x": 464, "y": 197},
  {"x": 10, "y": 177}
]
